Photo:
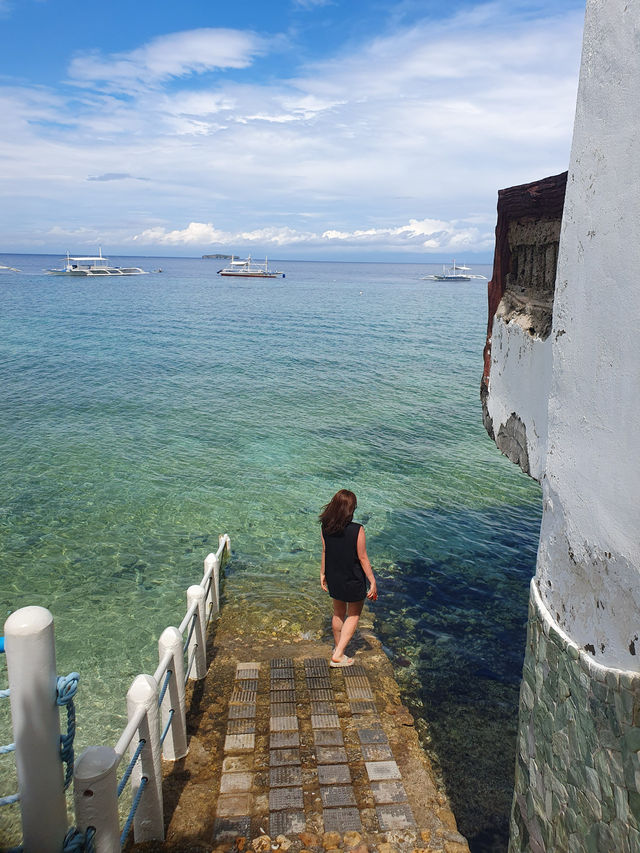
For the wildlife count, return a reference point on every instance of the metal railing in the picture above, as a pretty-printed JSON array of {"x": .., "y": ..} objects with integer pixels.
[{"x": 157, "y": 726}]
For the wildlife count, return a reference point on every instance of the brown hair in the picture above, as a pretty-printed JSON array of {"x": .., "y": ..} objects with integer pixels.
[{"x": 338, "y": 512}]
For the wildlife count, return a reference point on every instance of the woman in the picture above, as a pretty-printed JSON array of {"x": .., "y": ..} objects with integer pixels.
[{"x": 344, "y": 570}]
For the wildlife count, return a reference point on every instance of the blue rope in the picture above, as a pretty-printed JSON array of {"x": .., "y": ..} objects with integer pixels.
[
  {"x": 7, "y": 801},
  {"x": 132, "y": 763},
  {"x": 134, "y": 806},
  {"x": 207, "y": 589},
  {"x": 167, "y": 679},
  {"x": 74, "y": 842},
  {"x": 191, "y": 629},
  {"x": 166, "y": 728},
  {"x": 79, "y": 842},
  {"x": 191, "y": 660},
  {"x": 1, "y": 645},
  {"x": 67, "y": 687}
]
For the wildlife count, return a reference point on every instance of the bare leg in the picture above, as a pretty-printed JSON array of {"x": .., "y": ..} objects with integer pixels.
[
  {"x": 339, "y": 613},
  {"x": 349, "y": 625}
]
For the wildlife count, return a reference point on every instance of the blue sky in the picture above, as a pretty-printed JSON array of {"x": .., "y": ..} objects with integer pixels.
[{"x": 299, "y": 129}]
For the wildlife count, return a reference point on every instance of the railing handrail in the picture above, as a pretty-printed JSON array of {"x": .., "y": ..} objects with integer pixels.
[
  {"x": 163, "y": 666},
  {"x": 153, "y": 703},
  {"x": 129, "y": 733},
  {"x": 182, "y": 627}
]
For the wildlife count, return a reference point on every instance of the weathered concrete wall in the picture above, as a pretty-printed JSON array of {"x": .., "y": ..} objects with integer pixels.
[
  {"x": 589, "y": 559},
  {"x": 517, "y": 376},
  {"x": 578, "y": 762},
  {"x": 578, "y": 773}
]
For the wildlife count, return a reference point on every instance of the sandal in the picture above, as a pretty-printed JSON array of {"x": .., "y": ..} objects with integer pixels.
[{"x": 344, "y": 661}]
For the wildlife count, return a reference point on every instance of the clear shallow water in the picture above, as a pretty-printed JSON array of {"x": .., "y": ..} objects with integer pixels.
[{"x": 143, "y": 416}]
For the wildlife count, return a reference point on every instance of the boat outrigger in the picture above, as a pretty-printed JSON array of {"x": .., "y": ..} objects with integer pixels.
[
  {"x": 454, "y": 273},
  {"x": 250, "y": 269},
  {"x": 96, "y": 265}
]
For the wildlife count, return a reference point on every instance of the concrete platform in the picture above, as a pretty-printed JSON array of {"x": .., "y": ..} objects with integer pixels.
[{"x": 283, "y": 745}]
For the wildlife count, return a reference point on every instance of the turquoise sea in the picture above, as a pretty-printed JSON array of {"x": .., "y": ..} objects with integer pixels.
[{"x": 143, "y": 416}]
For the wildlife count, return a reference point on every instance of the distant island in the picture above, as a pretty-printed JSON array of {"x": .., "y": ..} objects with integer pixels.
[{"x": 219, "y": 257}]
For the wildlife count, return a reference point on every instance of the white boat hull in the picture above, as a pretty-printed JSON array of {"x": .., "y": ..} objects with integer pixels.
[
  {"x": 251, "y": 274},
  {"x": 93, "y": 266},
  {"x": 450, "y": 277},
  {"x": 454, "y": 273},
  {"x": 249, "y": 269}
]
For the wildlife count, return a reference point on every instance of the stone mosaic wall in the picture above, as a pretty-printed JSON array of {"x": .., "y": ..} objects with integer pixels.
[{"x": 577, "y": 786}]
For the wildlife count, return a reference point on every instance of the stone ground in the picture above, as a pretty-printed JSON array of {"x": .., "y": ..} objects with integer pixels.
[{"x": 286, "y": 753}]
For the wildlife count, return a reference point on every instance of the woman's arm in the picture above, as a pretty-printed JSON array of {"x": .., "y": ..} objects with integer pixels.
[
  {"x": 372, "y": 595},
  {"x": 323, "y": 579}
]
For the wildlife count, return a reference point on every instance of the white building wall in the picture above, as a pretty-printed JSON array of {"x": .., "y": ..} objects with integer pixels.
[
  {"x": 577, "y": 780},
  {"x": 589, "y": 558},
  {"x": 519, "y": 384}
]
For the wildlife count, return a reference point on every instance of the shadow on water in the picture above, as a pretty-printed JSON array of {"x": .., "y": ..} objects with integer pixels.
[{"x": 453, "y": 617}]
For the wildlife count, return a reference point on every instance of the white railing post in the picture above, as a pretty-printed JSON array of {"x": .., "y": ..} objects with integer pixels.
[
  {"x": 175, "y": 742},
  {"x": 198, "y": 642},
  {"x": 225, "y": 537},
  {"x": 31, "y": 667},
  {"x": 212, "y": 604},
  {"x": 148, "y": 823},
  {"x": 95, "y": 796}
]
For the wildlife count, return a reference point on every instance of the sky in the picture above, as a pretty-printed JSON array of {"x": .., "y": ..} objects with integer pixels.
[{"x": 299, "y": 129}]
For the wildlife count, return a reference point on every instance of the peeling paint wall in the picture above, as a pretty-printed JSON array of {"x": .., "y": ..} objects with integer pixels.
[
  {"x": 517, "y": 376},
  {"x": 519, "y": 393}
]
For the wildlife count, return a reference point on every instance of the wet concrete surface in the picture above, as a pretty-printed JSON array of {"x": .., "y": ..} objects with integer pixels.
[{"x": 286, "y": 753}]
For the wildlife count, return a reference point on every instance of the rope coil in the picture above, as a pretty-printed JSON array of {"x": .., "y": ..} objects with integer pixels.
[
  {"x": 79, "y": 842},
  {"x": 67, "y": 687}
]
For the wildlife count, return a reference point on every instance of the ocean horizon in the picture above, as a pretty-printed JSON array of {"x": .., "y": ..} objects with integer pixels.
[{"x": 143, "y": 416}]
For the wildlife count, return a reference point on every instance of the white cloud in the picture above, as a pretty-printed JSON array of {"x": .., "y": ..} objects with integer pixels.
[
  {"x": 196, "y": 233},
  {"x": 115, "y": 176},
  {"x": 169, "y": 56},
  {"x": 422, "y": 125},
  {"x": 416, "y": 235},
  {"x": 312, "y": 4}
]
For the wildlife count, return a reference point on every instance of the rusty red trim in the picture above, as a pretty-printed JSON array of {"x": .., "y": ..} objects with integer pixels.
[{"x": 543, "y": 199}]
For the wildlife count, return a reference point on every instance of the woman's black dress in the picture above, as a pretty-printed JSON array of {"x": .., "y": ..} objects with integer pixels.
[{"x": 345, "y": 577}]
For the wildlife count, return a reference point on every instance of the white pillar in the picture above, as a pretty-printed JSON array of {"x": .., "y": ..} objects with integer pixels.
[
  {"x": 148, "y": 823},
  {"x": 175, "y": 742},
  {"x": 95, "y": 794},
  {"x": 198, "y": 641},
  {"x": 225, "y": 537},
  {"x": 212, "y": 563},
  {"x": 31, "y": 665}
]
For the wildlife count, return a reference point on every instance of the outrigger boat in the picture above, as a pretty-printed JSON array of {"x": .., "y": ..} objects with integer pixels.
[
  {"x": 454, "y": 273},
  {"x": 96, "y": 265},
  {"x": 250, "y": 269}
]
